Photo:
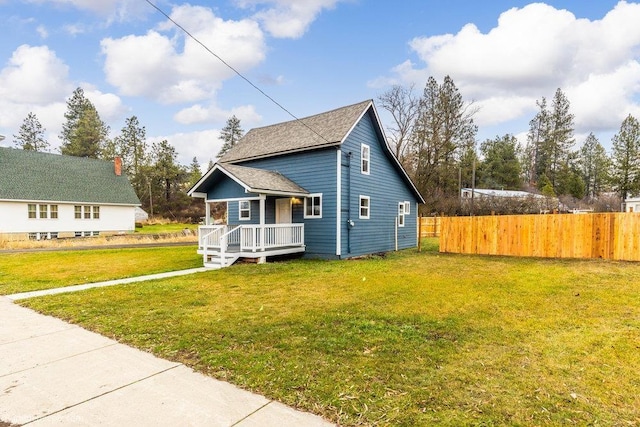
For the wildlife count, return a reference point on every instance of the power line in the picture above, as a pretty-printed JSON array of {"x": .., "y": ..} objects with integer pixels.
[{"x": 235, "y": 71}]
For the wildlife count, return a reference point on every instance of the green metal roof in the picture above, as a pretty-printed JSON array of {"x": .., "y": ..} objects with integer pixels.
[{"x": 36, "y": 176}]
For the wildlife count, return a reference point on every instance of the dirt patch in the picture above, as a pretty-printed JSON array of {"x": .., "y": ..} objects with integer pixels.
[{"x": 6, "y": 424}]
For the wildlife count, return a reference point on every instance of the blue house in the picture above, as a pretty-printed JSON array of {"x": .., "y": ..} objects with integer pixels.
[{"x": 327, "y": 186}]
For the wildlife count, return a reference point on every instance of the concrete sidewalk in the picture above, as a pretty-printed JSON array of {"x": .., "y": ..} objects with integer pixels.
[
  {"x": 76, "y": 288},
  {"x": 55, "y": 373}
]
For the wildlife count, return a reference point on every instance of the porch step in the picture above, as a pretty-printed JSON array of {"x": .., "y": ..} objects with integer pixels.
[{"x": 215, "y": 262}]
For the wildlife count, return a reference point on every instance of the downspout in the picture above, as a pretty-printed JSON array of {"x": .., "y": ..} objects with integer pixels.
[{"x": 349, "y": 221}]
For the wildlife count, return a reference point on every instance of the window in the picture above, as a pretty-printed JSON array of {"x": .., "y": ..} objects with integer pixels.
[
  {"x": 407, "y": 208},
  {"x": 365, "y": 207},
  {"x": 365, "y": 158},
  {"x": 86, "y": 212},
  {"x": 313, "y": 206},
  {"x": 401, "y": 213},
  {"x": 245, "y": 209},
  {"x": 42, "y": 211}
]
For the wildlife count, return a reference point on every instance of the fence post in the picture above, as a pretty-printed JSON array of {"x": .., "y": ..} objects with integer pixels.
[{"x": 420, "y": 233}]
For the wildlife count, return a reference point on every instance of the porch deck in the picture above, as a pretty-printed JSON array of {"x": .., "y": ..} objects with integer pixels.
[{"x": 221, "y": 245}]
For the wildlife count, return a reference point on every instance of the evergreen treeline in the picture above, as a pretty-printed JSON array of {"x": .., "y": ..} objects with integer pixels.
[
  {"x": 159, "y": 180},
  {"x": 434, "y": 137}
]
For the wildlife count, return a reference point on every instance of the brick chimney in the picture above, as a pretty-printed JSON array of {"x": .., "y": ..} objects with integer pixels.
[{"x": 117, "y": 165}]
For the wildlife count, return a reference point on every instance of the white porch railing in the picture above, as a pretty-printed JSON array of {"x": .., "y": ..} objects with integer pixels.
[
  {"x": 248, "y": 238},
  {"x": 260, "y": 237}
]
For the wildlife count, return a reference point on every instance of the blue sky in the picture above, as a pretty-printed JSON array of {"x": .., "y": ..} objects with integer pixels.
[{"x": 312, "y": 56}]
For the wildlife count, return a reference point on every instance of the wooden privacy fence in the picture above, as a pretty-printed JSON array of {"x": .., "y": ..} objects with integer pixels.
[
  {"x": 613, "y": 236},
  {"x": 430, "y": 226}
]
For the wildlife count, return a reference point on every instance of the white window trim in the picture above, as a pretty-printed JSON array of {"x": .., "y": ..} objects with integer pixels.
[
  {"x": 306, "y": 200},
  {"x": 363, "y": 148},
  {"x": 407, "y": 208},
  {"x": 368, "y": 199},
  {"x": 401, "y": 214},
  {"x": 42, "y": 211},
  {"x": 240, "y": 210}
]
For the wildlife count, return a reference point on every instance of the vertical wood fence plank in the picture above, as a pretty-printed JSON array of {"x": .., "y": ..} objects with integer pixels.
[{"x": 605, "y": 235}]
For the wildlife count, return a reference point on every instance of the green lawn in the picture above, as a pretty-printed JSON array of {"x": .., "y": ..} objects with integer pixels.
[
  {"x": 30, "y": 271},
  {"x": 165, "y": 228},
  {"x": 409, "y": 339}
]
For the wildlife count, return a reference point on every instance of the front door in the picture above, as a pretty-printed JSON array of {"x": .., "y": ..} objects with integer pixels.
[{"x": 283, "y": 211}]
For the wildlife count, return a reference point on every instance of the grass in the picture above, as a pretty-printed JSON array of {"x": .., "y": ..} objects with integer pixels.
[
  {"x": 161, "y": 228},
  {"x": 23, "y": 272},
  {"x": 408, "y": 339}
]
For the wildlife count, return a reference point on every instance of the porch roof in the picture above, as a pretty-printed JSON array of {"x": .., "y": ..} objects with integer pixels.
[{"x": 259, "y": 181}]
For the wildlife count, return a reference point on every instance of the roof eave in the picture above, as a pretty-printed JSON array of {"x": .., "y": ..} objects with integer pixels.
[
  {"x": 278, "y": 192},
  {"x": 284, "y": 153}
]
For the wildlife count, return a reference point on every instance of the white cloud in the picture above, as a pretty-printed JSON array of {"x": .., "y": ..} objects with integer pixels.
[
  {"x": 42, "y": 31},
  {"x": 529, "y": 54},
  {"x": 33, "y": 75},
  {"x": 288, "y": 18},
  {"x": 36, "y": 80},
  {"x": 602, "y": 101},
  {"x": 74, "y": 29},
  {"x": 156, "y": 66},
  {"x": 113, "y": 10},
  {"x": 109, "y": 106},
  {"x": 213, "y": 114},
  {"x": 499, "y": 109}
]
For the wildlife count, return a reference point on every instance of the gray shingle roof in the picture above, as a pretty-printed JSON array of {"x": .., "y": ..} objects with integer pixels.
[
  {"x": 262, "y": 180},
  {"x": 35, "y": 176},
  {"x": 295, "y": 136}
]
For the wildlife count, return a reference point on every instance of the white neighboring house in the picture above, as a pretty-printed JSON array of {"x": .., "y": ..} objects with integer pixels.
[
  {"x": 632, "y": 204},
  {"x": 544, "y": 204},
  {"x": 46, "y": 196}
]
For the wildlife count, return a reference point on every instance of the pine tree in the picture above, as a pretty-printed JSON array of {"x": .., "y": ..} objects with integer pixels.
[
  {"x": 230, "y": 134},
  {"x": 549, "y": 143},
  {"x": 131, "y": 146},
  {"x": 83, "y": 134},
  {"x": 500, "y": 167},
  {"x": 443, "y": 136},
  {"x": 560, "y": 138},
  {"x": 31, "y": 135},
  {"x": 537, "y": 158},
  {"x": 626, "y": 158},
  {"x": 194, "y": 172},
  {"x": 165, "y": 169},
  {"x": 594, "y": 166}
]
